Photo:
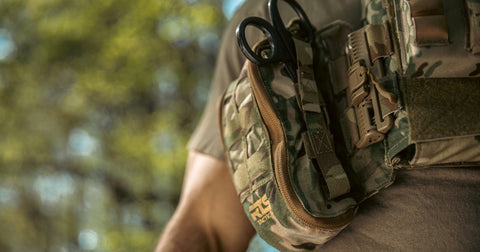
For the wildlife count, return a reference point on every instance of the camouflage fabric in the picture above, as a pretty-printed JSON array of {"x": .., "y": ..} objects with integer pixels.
[
  {"x": 424, "y": 62},
  {"x": 293, "y": 148},
  {"x": 284, "y": 200},
  {"x": 473, "y": 8},
  {"x": 292, "y": 203},
  {"x": 419, "y": 115},
  {"x": 374, "y": 12},
  {"x": 367, "y": 165},
  {"x": 439, "y": 125}
]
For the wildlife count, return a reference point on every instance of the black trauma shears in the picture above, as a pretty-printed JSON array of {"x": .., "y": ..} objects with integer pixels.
[{"x": 279, "y": 38}]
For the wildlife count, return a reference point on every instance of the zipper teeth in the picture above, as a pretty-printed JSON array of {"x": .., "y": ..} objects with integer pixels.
[{"x": 279, "y": 161}]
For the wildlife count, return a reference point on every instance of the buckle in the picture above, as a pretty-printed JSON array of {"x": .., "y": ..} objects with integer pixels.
[
  {"x": 357, "y": 79},
  {"x": 364, "y": 93}
]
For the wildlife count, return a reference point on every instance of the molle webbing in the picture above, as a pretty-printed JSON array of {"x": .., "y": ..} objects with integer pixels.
[
  {"x": 317, "y": 138},
  {"x": 432, "y": 42},
  {"x": 429, "y": 21}
]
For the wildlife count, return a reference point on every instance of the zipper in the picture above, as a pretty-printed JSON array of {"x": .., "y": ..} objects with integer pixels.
[{"x": 281, "y": 174}]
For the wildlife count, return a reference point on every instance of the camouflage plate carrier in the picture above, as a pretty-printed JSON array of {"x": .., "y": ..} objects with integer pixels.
[{"x": 401, "y": 92}]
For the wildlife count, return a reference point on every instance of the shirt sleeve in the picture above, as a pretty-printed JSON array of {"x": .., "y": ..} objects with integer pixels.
[{"x": 206, "y": 137}]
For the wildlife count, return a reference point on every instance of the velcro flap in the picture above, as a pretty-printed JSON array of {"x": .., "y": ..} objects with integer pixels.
[{"x": 442, "y": 108}]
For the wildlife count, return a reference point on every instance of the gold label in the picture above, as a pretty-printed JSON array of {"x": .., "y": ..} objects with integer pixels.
[{"x": 261, "y": 210}]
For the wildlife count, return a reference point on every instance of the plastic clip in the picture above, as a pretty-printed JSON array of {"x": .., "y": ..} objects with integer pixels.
[{"x": 364, "y": 97}]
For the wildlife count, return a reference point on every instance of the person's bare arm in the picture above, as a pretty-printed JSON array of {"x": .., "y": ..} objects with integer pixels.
[{"x": 209, "y": 216}]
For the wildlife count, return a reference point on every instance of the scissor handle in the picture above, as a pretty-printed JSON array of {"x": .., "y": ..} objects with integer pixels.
[
  {"x": 274, "y": 14},
  {"x": 269, "y": 32}
]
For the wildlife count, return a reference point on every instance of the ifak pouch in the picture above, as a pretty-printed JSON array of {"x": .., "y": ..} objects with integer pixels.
[{"x": 282, "y": 155}]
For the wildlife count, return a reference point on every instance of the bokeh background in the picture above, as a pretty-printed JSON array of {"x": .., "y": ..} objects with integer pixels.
[{"x": 97, "y": 101}]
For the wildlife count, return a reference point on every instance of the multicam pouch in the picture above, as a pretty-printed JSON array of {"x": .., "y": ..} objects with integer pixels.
[
  {"x": 276, "y": 179},
  {"x": 282, "y": 156},
  {"x": 304, "y": 156}
]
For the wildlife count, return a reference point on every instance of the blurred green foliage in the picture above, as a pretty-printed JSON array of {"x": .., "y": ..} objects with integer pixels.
[{"x": 97, "y": 101}]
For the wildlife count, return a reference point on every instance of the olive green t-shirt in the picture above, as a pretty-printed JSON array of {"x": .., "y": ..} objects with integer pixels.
[{"x": 433, "y": 209}]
